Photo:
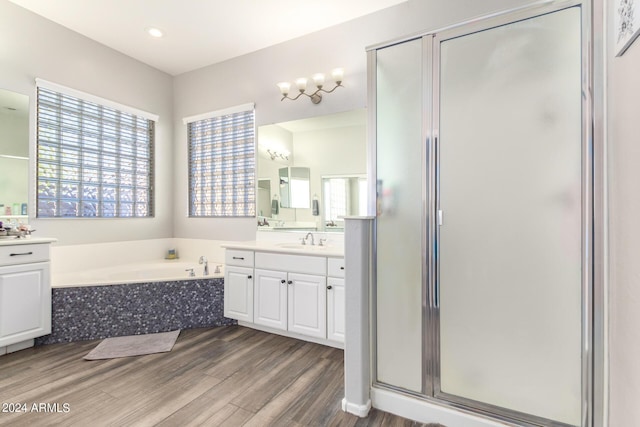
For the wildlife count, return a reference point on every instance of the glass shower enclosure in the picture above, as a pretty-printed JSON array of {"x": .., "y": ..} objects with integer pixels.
[{"x": 482, "y": 278}]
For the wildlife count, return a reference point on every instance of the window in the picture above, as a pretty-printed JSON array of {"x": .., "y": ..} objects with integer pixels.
[
  {"x": 222, "y": 163},
  {"x": 94, "y": 158}
]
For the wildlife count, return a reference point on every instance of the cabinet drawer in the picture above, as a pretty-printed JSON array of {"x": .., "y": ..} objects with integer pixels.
[
  {"x": 23, "y": 254},
  {"x": 335, "y": 267},
  {"x": 239, "y": 258},
  {"x": 292, "y": 263}
]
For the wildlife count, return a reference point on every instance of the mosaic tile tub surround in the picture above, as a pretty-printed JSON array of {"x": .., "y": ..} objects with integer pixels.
[{"x": 98, "y": 312}]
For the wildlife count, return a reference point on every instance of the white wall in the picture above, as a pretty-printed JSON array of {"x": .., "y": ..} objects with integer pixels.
[
  {"x": 253, "y": 78},
  {"x": 624, "y": 232},
  {"x": 30, "y": 47}
]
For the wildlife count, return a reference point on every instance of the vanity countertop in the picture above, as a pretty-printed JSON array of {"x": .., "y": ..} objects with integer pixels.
[
  {"x": 287, "y": 248},
  {"x": 25, "y": 241}
]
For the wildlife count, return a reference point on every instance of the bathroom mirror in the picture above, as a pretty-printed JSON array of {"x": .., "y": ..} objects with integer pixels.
[
  {"x": 333, "y": 145},
  {"x": 294, "y": 187},
  {"x": 14, "y": 156}
]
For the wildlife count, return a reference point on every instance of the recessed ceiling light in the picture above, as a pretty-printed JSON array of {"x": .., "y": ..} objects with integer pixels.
[{"x": 154, "y": 32}]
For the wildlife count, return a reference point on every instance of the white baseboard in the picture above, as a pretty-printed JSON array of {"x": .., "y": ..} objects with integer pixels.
[
  {"x": 353, "y": 408},
  {"x": 427, "y": 412},
  {"x": 291, "y": 334},
  {"x": 16, "y": 347}
]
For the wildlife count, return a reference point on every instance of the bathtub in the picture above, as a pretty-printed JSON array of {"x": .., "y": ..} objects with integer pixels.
[
  {"x": 140, "y": 272},
  {"x": 128, "y": 288}
]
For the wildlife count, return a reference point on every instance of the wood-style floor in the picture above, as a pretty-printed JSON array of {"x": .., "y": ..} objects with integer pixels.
[{"x": 227, "y": 376}]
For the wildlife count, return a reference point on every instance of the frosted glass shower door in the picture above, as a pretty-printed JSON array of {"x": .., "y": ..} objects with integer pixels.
[
  {"x": 510, "y": 244},
  {"x": 399, "y": 261}
]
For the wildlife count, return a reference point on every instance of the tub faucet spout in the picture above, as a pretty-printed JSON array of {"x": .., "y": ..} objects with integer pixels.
[{"x": 203, "y": 260}]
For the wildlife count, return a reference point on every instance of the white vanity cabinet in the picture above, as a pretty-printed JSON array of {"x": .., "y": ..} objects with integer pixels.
[
  {"x": 25, "y": 294},
  {"x": 335, "y": 299},
  {"x": 238, "y": 285},
  {"x": 291, "y": 292},
  {"x": 290, "y": 302}
]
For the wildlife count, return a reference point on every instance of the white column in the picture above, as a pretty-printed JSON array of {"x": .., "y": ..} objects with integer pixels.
[{"x": 357, "y": 359}]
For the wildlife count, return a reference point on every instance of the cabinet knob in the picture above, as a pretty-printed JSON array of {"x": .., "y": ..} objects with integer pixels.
[
  {"x": 341, "y": 268},
  {"x": 290, "y": 282},
  {"x": 329, "y": 287},
  {"x": 283, "y": 281},
  {"x": 249, "y": 276}
]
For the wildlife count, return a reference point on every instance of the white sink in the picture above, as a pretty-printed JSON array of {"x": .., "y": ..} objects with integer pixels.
[{"x": 301, "y": 247}]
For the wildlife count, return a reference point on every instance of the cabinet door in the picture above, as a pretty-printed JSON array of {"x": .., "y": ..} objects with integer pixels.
[
  {"x": 25, "y": 302},
  {"x": 335, "y": 309},
  {"x": 270, "y": 305},
  {"x": 238, "y": 293},
  {"x": 307, "y": 305}
]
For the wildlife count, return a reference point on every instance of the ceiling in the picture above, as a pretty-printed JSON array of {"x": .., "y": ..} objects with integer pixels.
[{"x": 198, "y": 32}]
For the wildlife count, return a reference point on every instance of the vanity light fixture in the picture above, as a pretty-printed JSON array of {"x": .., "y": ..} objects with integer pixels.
[
  {"x": 318, "y": 80},
  {"x": 275, "y": 155}
]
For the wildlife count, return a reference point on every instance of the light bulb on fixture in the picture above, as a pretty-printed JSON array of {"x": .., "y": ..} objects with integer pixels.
[
  {"x": 301, "y": 83},
  {"x": 284, "y": 88},
  {"x": 337, "y": 75},
  {"x": 318, "y": 79}
]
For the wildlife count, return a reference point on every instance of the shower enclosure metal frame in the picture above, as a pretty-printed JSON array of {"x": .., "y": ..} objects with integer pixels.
[{"x": 593, "y": 211}]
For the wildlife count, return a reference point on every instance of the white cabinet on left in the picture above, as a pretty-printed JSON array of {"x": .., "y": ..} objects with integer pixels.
[
  {"x": 238, "y": 285},
  {"x": 25, "y": 294}
]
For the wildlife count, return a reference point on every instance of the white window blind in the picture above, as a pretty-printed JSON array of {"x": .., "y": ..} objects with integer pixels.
[
  {"x": 93, "y": 160},
  {"x": 222, "y": 163}
]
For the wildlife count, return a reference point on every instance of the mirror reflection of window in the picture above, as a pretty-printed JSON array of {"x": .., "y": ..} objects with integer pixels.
[
  {"x": 343, "y": 196},
  {"x": 336, "y": 199},
  {"x": 362, "y": 199}
]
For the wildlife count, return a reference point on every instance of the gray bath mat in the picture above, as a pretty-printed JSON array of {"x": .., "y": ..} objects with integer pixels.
[{"x": 134, "y": 345}]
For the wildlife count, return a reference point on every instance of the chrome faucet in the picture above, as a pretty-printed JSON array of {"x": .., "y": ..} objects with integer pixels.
[
  {"x": 203, "y": 260},
  {"x": 304, "y": 241}
]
